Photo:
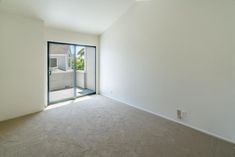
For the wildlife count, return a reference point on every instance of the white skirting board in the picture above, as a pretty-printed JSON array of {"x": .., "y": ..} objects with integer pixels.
[{"x": 165, "y": 117}]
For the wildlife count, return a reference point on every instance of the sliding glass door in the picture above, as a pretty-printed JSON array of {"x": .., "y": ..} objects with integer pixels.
[
  {"x": 85, "y": 70},
  {"x": 71, "y": 71}
]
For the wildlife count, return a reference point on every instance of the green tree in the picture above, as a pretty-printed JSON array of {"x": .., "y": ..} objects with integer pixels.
[{"x": 80, "y": 62}]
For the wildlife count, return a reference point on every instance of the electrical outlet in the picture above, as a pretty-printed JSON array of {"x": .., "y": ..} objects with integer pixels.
[{"x": 181, "y": 114}]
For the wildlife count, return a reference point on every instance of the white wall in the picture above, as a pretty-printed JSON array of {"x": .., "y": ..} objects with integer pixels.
[
  {"x": 168, "y": 54},
  {"x": 23, "y": 62},
  {"x": 21, "y": 66},
  {"x": 90, "y": 68},
  {"x": 53, "y": 34}
]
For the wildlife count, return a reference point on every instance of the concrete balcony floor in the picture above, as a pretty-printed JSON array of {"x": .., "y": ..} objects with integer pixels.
[{"x": 68, "y": 93}]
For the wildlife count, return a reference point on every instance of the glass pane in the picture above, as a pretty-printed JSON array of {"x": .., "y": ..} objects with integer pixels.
[
  {"x": 85, "y": 70},
  {"x": 61, "y": 73}
]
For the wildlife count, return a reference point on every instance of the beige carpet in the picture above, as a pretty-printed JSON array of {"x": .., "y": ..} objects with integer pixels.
[{"x": 100, "y": 127}]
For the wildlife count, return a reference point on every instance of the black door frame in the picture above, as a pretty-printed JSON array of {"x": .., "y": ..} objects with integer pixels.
[{"x": 48, "y": 66}]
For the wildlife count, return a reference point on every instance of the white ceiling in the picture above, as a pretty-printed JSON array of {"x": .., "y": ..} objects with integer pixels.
[{"x": 90, "y": 16}]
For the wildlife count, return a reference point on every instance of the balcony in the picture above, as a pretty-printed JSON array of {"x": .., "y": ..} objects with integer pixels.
[{"x": 62, "y": 84}]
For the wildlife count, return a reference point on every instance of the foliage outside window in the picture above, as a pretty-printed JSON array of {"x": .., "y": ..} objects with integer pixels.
[{"x": 80, "y": 61}]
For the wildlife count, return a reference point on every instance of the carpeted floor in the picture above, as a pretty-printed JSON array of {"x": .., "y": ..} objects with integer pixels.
[{"x": 100, "y": 127}]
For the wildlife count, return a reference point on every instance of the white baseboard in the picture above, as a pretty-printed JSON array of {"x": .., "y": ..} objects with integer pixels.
[{"x": 173, "y": 120}]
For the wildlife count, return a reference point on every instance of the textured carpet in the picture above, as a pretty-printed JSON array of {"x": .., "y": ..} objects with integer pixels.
[{"x": 100, "y": 127}]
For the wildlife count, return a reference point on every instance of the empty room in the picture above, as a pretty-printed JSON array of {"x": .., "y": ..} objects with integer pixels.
[{"x": 117, "y": 78}]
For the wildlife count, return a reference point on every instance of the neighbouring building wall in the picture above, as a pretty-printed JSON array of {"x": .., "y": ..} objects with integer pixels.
[
  {"x": 21, "y": 66},
  {"x": 166, "y": 55}
]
